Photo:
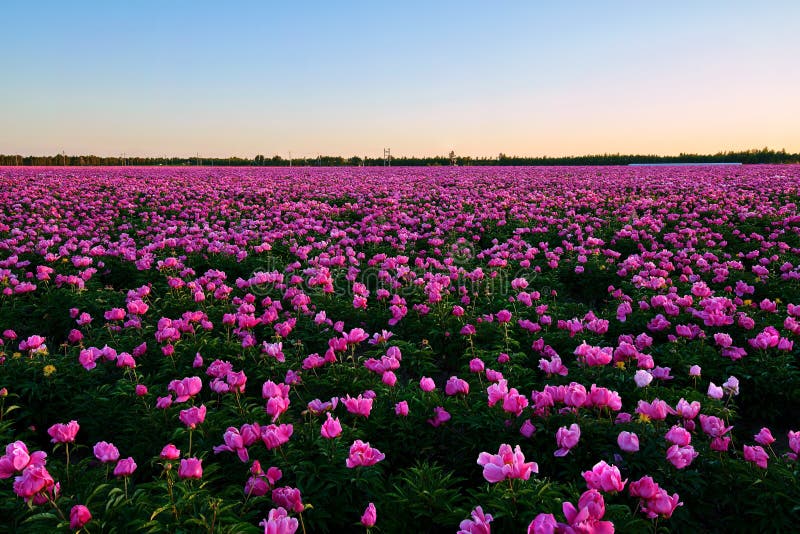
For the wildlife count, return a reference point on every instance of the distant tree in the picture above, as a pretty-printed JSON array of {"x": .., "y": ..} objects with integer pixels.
[{"x": 751, "y": 156}]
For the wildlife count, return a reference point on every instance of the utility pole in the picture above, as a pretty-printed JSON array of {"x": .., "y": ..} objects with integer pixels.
[
  {"x": 290, "y": 158},
  {"x": 387, "y": 157}
]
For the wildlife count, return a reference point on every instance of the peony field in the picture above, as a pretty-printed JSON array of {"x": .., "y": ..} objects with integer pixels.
[{"x": 400, "y": 349}]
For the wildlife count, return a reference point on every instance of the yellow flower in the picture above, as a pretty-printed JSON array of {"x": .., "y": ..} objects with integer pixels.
[
  {"x": 620, "y": 365},
  {"x": 747, "y": 302},
  {"x": 17, "y": 355},
  {"x": 49, "y": 370},
  {"x": 643, "y": 418}
]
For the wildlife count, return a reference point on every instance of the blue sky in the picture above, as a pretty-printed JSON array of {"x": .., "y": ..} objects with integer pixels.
[{"x": 242, "y": 78}]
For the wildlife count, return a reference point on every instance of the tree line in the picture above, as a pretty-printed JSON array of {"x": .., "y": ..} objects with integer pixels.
[{"x": 764, "y": 155}]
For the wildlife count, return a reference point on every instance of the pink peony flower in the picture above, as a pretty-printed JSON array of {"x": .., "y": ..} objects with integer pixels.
[
  {"x": 358, "y": 405},
  {"x": 543, "y": 524},
  {"x": 479, "y": 524},
  {"x": 456, "y": 386},
  {"x": 586, "y": 518},
  {"x": 476, "y": 365},
  {"x": 401, "y": 409},
  {"x": 34, "y": 480},
  {"x": 170, "y": 452},
  {"x": 361, "y": 454},
  {"x": 106, "y": 452},
  {"x": 278, "y": 522},
  {"x": 642, "y": 378},
  {"x": 604, "y": 477},
  {"x": 645, "y": 488},
  {"x": 628, "y": 441},
  {"x": 506, "y": 464},
  {"x": 191, "y": 417},
  {"x": 764, "y": 437},
  {"x": 503, "y": 316},
  {"x": 370, "y": 516},
  {"x": 681, "y": 457},
  {"x": 527, "y": 429},
  {"x": 274, "y": 436},
  {"x": 426, "y": 384},
  {"x": 678, "y": 435},
  {"x": 661, "y": 504},
  {"x": 79, "y": 515},
  {"x": 125, "y": 467},
  {"x": 567, "y": 438},
  {"x": 794, "y": 443},
  {"x": 440, "y": 416},
  {"x": 185, "y": 388},
  {"x": 331, "y": 428},
  {"x": 757, "y": 455},
  {"x": 191, "y": 468},
  {"x": 63, "y": 433},
  {"x": 714, "y": 391},
  {"x": 288, "y": 498}
]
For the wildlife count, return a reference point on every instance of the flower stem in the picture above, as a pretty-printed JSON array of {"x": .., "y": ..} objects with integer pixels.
[
  {"x": 66, "y": 448},
  {"x": 168, "y": 469},
  {"x": 53, "y": 502},
  {"x": 302, "y": 523}
]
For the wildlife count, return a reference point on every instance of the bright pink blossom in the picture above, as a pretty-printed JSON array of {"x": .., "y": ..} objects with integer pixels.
[
  {"x": 79, "y": 515},
  {"x": 567, "y": 438},
  {"x": 361, "y": 454},
  {"x": 681, "y": 457},
  {"x": 63, "y": 433},
  {"x": 106, "y": 452},
  {"x": 278, "y": 522},
  {"x": 331, "y": 428},
  {"x": 506, "y": 464},
  {"x": 289, "y": 498},
  {"x": 757, "y": 455},
  {"x": 370, "y": 516},
  {"x": 628, "y": 441},
  {"x": 125, "y": 467},
  {"x": 191, "y": 417},
  {"x": 586, "y": 517},
  {"x": 478, "y": 524},
  {"x": 604, "y": 477},
  {"x": 191, "y": 468}
]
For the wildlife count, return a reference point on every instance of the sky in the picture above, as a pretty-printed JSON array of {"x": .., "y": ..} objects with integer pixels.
[{"x": 240, "y": 78}]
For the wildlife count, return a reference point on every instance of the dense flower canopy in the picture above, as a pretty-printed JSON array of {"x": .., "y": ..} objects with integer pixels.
[{"x": 366, "y": 334}]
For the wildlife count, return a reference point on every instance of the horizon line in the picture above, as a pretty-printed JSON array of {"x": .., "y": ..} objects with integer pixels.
[{"x": 314, "y": 155}]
